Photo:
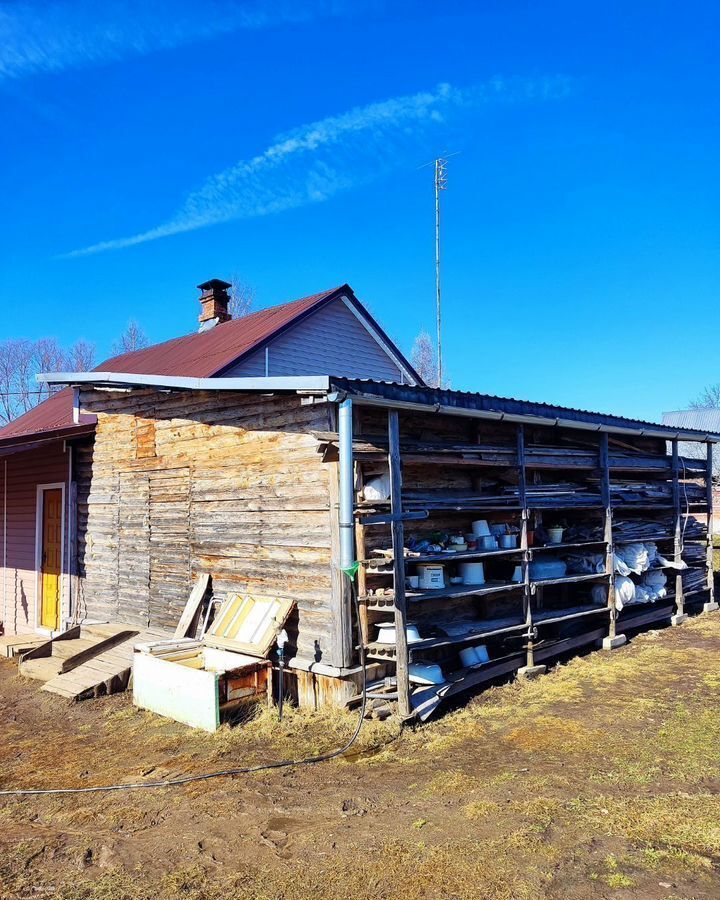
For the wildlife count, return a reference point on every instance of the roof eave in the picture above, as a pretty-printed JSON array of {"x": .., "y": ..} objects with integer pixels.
[
  {"x": 263, "y": 384},
  {"x": 49, "y": 435},
  {"x": 386, "y": 395}
]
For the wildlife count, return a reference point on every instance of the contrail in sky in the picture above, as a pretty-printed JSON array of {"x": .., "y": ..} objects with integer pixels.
[
  {"x": 318, "y": 160},
  {"x": 44, "y": 37}
]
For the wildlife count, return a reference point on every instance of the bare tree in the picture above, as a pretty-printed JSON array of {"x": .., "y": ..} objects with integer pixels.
[
  {"x": 242, "y": 297},
  {"x": 22, "y": 359},
  {"x": 709, "y": 398},
  {"x": 47, "y": 356},
  {"x": 133, "y": 338},
  {"x": 424, "y": 358},
  {"x": 15, "y": 373},
  {"x": 80, "y": 357}
]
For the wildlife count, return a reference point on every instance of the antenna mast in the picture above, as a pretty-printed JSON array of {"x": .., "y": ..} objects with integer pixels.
[{"x": 440, "y": 185}]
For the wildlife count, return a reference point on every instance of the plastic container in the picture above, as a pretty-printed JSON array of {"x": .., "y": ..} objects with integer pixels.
[
  {"x": 474, "y": 656},
  {"x": 425, "y": 673},
  {"x": 480, "y": 527},
  {"x": 472, "y": 572},
  {"x": 508, "y": 541},
  {"x": 432, "y": 577},
  {"x": 556, "y": 535},
  {"x": 387, "y": 634}
]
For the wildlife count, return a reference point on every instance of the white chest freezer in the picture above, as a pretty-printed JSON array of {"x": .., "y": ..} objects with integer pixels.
[{"x": 199, "y": 681}]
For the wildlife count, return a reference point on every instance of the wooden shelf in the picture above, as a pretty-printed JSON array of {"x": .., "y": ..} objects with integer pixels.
[
  {"x": 487, "y": 629},
  {"x": 448, "y": 593},
  {"x": 702, "y": 590},
  {"x": 443, "y": 557},
  {"x": 551, "y": 616},
  {"x": 568, "y": 579},
  {"x": 579, "y": 544},
  {"x": 629, "y": 507},
  {"x": 562, "y": 507},
  {"x": 490, "y": 628}
]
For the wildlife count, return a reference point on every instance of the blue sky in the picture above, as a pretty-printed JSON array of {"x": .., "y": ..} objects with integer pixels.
[{"x": 148, "y": 147}]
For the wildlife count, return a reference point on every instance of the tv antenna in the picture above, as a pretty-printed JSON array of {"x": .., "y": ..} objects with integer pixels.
[
  {"x": 440, "y": 185},
  {"x": 440, "y": 166}
]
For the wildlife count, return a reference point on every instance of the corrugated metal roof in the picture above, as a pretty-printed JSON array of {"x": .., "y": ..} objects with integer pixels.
[
  {"x": 510, "y": 406},
  {"x": 200, "y": 355},
  {"x": 697, "y": 419},
  {"x": 53, "y": 415}
]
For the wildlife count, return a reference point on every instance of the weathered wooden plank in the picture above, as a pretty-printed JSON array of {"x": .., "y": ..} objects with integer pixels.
[{"x": 402, "y": 659}]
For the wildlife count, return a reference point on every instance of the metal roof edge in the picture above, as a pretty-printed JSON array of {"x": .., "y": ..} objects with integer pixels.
[
  {"x": 388, "y": 394},
  {"x": 63, "y": 432},
  {"x": 269, "y": 384}
]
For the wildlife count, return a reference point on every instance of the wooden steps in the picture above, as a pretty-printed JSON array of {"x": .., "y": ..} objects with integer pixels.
[
  {"x": 70, "y": 649},
  {"x": 106, "y": 672},
  {"x": 17, "y": 644}
]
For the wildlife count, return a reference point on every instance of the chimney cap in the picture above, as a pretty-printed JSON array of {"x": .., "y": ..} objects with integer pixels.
[{"x": 214, "y": 284}]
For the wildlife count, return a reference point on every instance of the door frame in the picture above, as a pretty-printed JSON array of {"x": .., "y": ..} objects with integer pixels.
[{"x": 39, "y": 518}]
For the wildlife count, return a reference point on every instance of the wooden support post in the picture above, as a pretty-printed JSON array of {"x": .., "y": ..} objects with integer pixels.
[
  {"x": 402, "y": 660},
  {"x": 342, "y": 627},
  {"x": 711, "y": 605},
  {"x": 529, "y": 670},
  {"x": 678, "y": 542},
  {"x": 612, "y": 640},
  {"x": 361, "y": 554}
]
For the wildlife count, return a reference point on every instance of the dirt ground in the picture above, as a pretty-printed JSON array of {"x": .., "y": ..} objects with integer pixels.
[{"x": 601, "y": 779}]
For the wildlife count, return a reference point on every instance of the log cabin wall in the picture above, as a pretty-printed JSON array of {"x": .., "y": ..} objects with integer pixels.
[{"x": 177, "y": 484}]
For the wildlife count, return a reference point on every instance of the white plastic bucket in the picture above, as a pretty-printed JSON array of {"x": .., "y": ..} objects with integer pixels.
[
  {"x": 474, "y": 656},
  {"x": 480, "y": 527},
  {"x": 472, "y": 572}
]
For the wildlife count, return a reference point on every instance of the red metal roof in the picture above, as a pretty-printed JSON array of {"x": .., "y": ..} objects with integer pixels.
[
  {"x": 52, "y": 415},
  {"x": 204, "y": 354},
  {"x": 198, "y": 355}
]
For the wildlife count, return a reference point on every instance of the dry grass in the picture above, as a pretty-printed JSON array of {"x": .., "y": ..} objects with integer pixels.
[{"x": 601, "y": 779}]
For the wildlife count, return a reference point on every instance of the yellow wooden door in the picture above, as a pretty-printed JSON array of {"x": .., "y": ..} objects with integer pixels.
[{"x": 51, "y": 558}]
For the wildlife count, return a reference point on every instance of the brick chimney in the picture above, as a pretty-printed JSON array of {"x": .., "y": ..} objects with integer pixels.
[{"x": 214, "y": 301}]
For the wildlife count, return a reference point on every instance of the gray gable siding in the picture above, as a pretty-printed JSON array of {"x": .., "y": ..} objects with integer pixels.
[{"x": 330, "y": 342}]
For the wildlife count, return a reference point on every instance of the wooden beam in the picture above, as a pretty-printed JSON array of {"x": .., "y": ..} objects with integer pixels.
[
  {"x": 193, "y": 605},
  {"x": 604, "y": 460},
  {"x": 709, "y": 499},
  {"x": 679, "y": 597},
  {"x": 526, "y": 552},
  {"x": 398, "y": 543},
  {"x": 360, "y": 554}
]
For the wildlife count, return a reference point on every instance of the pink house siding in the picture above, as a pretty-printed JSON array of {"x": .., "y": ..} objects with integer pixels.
[{"x": 20, "y": 475}]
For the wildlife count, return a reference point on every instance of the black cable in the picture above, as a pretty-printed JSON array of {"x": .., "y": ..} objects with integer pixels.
[{"x": 225, "y": 773}]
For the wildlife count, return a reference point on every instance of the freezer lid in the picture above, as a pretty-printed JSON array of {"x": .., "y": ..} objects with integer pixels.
[{"x": 248, "y": 624}]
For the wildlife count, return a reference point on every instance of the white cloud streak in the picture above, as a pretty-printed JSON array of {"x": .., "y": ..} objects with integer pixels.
[
  {"x": 318, "y": 160},
  {"x": 43, "y": 37}
]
